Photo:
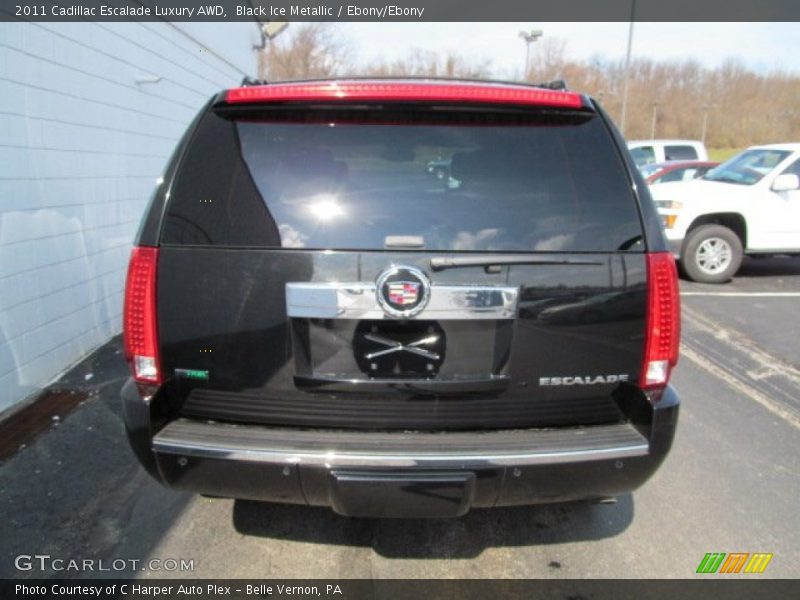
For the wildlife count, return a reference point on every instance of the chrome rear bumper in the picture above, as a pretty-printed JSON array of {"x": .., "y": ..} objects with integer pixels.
[{"x": 463, "y": 450}]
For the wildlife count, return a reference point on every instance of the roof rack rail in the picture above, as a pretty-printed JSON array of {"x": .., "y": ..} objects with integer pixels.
[
  {"x": 558, "y": 85},
  {"x": 250, "y": 81}
]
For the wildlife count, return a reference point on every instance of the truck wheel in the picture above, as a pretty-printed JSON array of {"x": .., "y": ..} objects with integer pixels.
[{"x": 711, "y": 254}]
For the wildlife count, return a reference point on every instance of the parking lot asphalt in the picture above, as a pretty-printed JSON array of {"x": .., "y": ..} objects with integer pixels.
[{"x": 730, "y": 484}]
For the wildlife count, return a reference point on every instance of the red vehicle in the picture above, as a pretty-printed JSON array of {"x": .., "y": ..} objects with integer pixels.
[{"x": 676, "y": 170}]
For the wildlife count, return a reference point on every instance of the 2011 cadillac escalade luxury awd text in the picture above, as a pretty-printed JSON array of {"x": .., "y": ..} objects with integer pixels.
[{"x": 311, "y": 318}]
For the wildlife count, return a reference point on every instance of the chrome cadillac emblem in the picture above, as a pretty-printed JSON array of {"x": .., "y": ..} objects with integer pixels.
[{"x": 403, "y": 292}]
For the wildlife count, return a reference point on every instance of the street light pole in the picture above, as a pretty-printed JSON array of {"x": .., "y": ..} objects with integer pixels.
[
  {"x": 602, "y": 94},
  {"x": 623, "y": 112},
  {"x": 272, "y": 29},
  {"x": 529, "y": 37},
  {"x": 653, "y": 122},
  {"x": 527, "y": 60},
  {"x": 269, "y": 31},
  {"x": 706, "y": 107}
]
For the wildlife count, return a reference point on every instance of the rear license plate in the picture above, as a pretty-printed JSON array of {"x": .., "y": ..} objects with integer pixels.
[{"x": 368, "y": 494}]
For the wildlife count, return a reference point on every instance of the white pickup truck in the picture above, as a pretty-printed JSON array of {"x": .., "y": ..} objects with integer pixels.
[
  {"x": 749, "y": 205},
  {"x": 648, "y": 152}
]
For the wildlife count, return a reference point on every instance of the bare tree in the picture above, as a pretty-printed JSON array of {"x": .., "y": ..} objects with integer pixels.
[
  {"x": 424, "y": 63},
  {"x": 739, "y": 106},
  {"x": 306, "y": 51},
  {"x": 549, "y": 59}
]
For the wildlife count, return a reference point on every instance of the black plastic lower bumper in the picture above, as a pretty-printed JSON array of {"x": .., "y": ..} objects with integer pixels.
[{"x": 402, "y": 474}]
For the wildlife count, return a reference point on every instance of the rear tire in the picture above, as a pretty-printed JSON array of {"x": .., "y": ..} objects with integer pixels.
[{"x": 711, "y": 254}]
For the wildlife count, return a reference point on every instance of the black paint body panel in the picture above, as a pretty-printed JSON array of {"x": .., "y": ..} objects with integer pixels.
[
  {"x": 224, "y": 311},
  {"x": 221, "y": 309}
]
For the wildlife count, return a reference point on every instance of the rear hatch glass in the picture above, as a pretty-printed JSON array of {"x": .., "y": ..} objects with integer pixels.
[{"x": 483, "y": 182}]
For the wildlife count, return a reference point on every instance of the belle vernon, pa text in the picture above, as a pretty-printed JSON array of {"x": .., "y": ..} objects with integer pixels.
[{"x": 136, "y": 589}]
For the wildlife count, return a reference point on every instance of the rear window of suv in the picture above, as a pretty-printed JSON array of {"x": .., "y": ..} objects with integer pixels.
[
  {"x": 680, "y": 153},
  {"x": 450, "y": 181}
]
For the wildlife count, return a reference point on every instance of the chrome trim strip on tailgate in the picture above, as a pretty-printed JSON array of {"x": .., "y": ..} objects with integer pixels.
[
  {"x": 221, "y": 443},
  {"x": 358, "y": 301}
]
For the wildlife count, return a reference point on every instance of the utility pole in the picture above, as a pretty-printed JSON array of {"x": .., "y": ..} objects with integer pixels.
[
  {"x": 623, "y": 112},
  {"x": 529, "y": 37},
  {"x": 653, "y": 122},
  {"x": 706, "y": 108},
  {"x": 602, "y": 94},
  {"x": 269, "y": 31}
]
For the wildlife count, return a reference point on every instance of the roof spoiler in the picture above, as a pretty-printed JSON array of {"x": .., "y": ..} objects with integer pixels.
[
  {"x": 558, "y": 85},
  {"x": 404, "y": 90}
]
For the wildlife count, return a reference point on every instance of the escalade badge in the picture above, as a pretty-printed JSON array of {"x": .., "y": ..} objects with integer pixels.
[
  {"x": 402, "y": 291},
  {"x": 582, "y": 380}
]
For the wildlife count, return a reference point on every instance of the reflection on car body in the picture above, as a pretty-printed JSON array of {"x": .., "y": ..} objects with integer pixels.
[
  {"x": 610, "y": 306},
  {"x": 676, "y": 170},
  {"x": 439, "y": 168}
]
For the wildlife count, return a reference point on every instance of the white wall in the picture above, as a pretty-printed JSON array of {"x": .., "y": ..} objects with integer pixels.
[{"x": 81, "y": 145}]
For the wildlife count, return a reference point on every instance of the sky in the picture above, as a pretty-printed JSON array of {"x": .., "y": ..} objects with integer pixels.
[{"x": 760, "y": 46}]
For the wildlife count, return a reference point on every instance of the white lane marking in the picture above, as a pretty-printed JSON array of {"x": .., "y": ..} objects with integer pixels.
[
  {"x": 746, "y": 294},
  {"x": 741, "y": 386},
  {"x": 769, "y": 365}
]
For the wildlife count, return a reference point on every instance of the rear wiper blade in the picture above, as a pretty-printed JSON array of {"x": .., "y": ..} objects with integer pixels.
[{"x": 440, "y": 263}]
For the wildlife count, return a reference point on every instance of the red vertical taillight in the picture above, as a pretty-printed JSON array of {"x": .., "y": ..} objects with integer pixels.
[
  {"x": 662, "y": 341},
  {"x": 139, "y": 321}
]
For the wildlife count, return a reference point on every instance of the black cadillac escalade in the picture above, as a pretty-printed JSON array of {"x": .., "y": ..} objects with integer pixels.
[{"x": 311, "y": 318}]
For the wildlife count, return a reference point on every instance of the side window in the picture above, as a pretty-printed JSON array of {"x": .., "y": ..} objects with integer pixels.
[
  {"x": 643, "y": 155},
  {"x": 793, "y": 169},
  {"x": 680, "y": 153},
  {"x": 766, "y": 161},
  {"x": 674, "y": 175},
  {"x": 685, "y": 174}
]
